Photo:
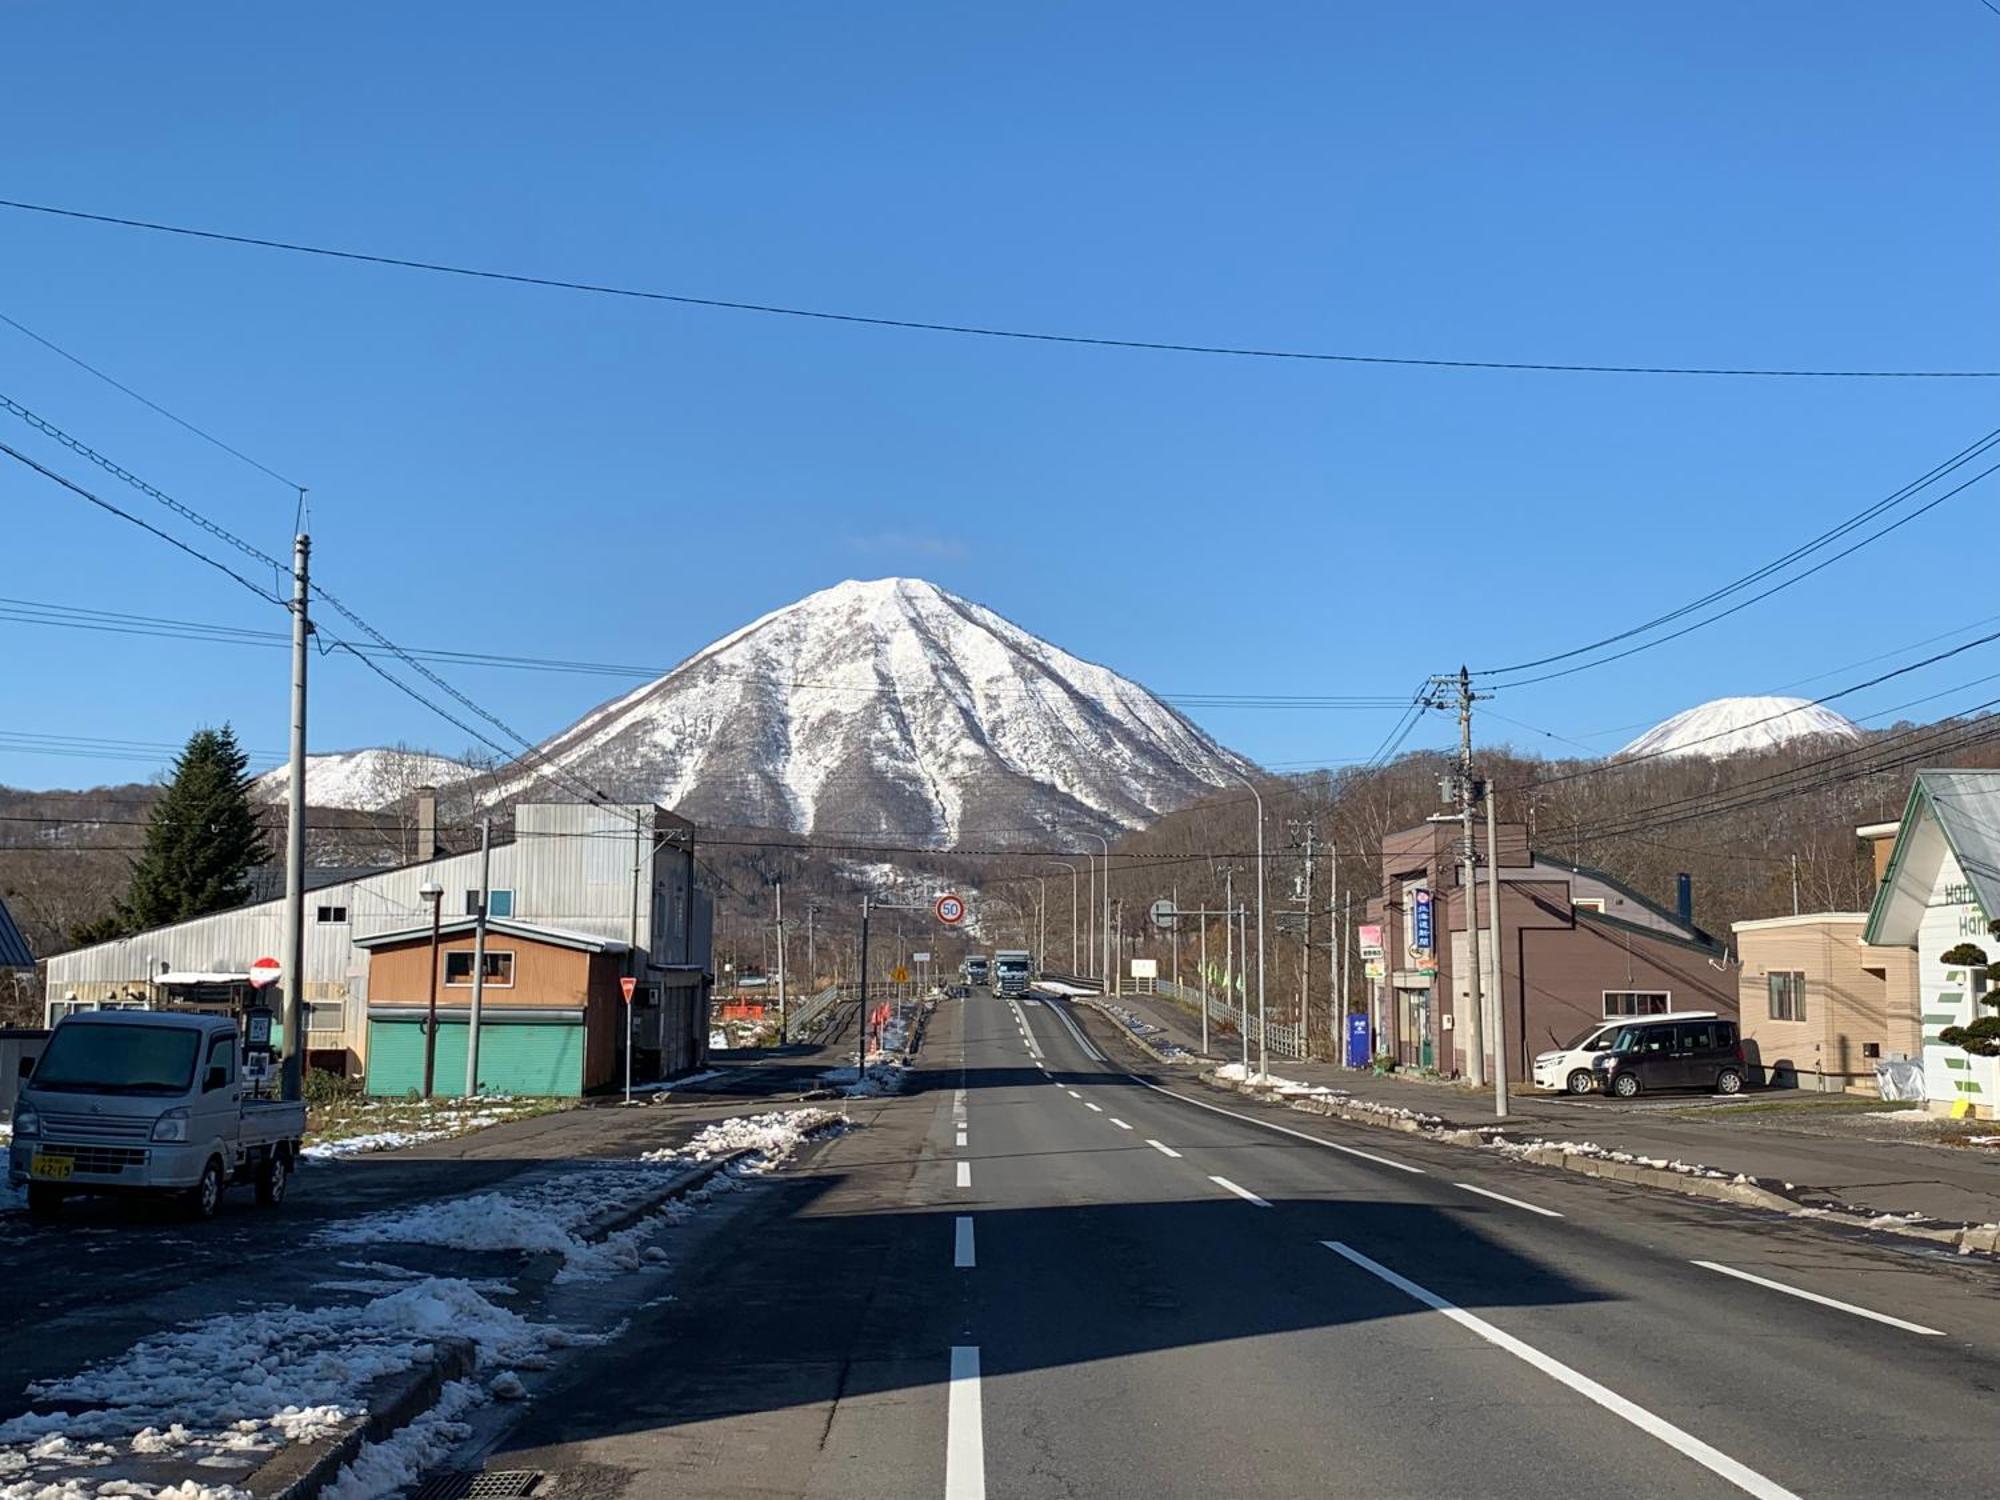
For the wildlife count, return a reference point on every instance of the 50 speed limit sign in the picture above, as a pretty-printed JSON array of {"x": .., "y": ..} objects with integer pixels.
[{"x": 950, "y": 910}]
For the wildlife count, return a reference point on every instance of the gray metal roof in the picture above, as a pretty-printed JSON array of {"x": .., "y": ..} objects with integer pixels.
[
  {"x": 561, "y": 937},
  {"x": 1967, "y": 804},
  {"x": 14, "y": 952}
]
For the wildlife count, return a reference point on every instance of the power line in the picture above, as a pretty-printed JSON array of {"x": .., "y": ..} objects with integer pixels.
[
  {"x": 1860, "y": 518},
  {"x": 208, "y": 437},
  {"x": 408, "y": 263}
]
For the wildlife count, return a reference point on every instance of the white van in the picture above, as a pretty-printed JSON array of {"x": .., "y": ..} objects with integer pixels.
[{"x": 1570, "y": 1068}]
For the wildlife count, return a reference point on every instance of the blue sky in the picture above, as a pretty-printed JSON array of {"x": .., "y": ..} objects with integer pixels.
[{"x": 540, "y": 473}]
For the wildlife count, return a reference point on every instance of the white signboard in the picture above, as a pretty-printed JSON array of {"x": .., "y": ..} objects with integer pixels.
[
  {"x": 1145, "y": 968},
  {"x": 922, "y": 958}
]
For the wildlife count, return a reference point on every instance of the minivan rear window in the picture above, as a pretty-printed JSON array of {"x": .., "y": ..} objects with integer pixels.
[{"x": 86, "y": 1057}]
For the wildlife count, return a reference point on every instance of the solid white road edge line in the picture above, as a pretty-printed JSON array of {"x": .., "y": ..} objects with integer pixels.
[
  {"x": 1386, "y": 1161},
  {"x": 965, "y": 1435},
  {"x": 965, "y": 1174},
  {"x": 961, "y": 1243},
  {"x": 1744, "y": 1478},
  {"x": 1119, "y": 1123},
  {"x": 1547, "y": 1213},
  {"x": 1244, "y": 1193},
  {"x": 1164, "y": 1150},
  {"x": 1846, "y": 1307},
  {"x": 1081, "y": 1040}
]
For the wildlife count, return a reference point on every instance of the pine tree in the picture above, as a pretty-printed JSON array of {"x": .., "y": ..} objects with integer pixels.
[{"x": 201, "y": 840}]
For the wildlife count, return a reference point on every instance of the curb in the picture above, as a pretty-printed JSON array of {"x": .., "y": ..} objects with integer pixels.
[
  {"x": 1744, "y": 1192},
  {"x": 624, "y": 1216},
  {"x": 301, "y": 1471}
]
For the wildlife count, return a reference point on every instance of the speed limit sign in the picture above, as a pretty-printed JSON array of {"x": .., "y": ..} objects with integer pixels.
[{"x": 950, "y": 910}]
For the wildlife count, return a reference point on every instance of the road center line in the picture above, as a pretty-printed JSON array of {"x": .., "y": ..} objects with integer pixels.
[
  {"x": 1098, "y": 1107},
  {"x": 1244, "y": 1193},
  {"x": 965, "y": 1435},
  {"x": 961, "y": 1138},
  {"x": 1120, "y": 1123},
  {"x": 965, "y": 1174},
  {"x": 1847, "y": 1307},
  {"x": 961, "y": 1243},
  {"x": 1547, "y": 1213},
  {"x": 1164, "y": 1150},
  {"x": 1744, "y": 1478},
  {"x": 1073, "y": 1093},
  {"x": 1386, "y": 1161}
]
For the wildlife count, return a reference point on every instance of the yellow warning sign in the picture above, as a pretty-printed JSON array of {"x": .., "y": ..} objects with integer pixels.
[{"x": 899, "y": 975}]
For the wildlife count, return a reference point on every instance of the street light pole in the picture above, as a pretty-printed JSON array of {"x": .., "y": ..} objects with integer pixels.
[
  {"x": 432, "y": 892},
  {"x": 1065, "y": 864},
  {"x": 1109, "y": 977},
  {"x": 1263, "y": 1055}
]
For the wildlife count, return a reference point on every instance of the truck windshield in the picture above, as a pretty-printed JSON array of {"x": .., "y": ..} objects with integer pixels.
[{"x": 118, "y": 1060}]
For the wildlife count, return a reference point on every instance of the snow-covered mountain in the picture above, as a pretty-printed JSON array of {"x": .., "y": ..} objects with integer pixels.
[
  {"x": 1737, "y": 726},
  {"x": 889, "y": 708},
  {"x": 363, "y": 779}
]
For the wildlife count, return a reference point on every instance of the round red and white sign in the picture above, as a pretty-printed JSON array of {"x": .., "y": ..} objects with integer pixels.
[
  {"x": 950, "y": 910},
  {"x": 264, "y": 973}
]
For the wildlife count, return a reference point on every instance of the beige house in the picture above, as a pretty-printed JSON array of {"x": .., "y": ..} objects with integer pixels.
[{"x": 1819, "y": 1007}]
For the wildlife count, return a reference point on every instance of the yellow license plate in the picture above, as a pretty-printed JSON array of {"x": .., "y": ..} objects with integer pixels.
[{"x": 52, "y": 1168}]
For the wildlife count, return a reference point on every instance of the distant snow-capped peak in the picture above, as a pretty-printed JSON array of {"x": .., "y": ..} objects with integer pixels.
[
  {"x": 363, "y": 780},
  {"x": 1737, "y": 726}
]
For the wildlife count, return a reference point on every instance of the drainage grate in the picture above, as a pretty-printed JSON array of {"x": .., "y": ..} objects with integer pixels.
[{"x": 501, "y": 1484}]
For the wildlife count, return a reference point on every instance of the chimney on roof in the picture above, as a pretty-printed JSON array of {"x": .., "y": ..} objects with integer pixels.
[
  {"x": 1684, "y": 898},
  {"x": 427, "y": 822}
]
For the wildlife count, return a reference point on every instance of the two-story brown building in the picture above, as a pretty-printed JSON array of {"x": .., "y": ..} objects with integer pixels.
[{"x": 1576, "y": 946}]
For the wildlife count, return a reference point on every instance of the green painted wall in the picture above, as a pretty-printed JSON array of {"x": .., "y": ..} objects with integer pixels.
[{"x": 540, "y": 1057}]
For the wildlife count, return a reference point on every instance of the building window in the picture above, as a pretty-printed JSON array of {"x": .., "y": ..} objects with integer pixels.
[
  {"x": 1636, "y": 1002},
  {"x": 499, "y": 968},
  {"x": 331, "y": 914},
  {"x": 326, "y": 1015},
  {"x": 1788, "y": 995},
  {"x": 498, "y": 903}
]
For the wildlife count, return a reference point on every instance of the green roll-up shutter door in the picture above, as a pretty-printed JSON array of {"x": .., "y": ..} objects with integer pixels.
[{"x": 536, "y": 1058}]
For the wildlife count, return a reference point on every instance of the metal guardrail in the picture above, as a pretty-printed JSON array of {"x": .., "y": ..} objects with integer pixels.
[{"x": 815, "y": 1012}]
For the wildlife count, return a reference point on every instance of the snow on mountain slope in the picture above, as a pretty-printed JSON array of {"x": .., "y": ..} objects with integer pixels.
[
  {"x": 888, "y": 708},
  {"x": 363, "y": 779},
  {"x": 1738, "y": 726}
]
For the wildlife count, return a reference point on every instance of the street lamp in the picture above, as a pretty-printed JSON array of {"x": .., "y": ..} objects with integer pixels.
[
  {"x": 432, "y": 892},
  {"x": 1066, "y": 865},
  {"x": 1263, "y": 1057},
  {"x": 1109, "y": 978}
]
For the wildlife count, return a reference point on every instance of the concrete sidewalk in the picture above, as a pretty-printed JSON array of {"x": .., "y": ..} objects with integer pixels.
[{"x": 1825, "y": 1151}]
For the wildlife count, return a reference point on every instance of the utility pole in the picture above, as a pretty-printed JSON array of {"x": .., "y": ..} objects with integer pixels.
[
  {"x": 1176, "y": 931},
  {"x": 1468, "y": 793},
  {"x": 1305, "y": 947},
  {"x": 1202, "y": 977},
  {"x": 861, "y": 1021},
  {"x": 1795, "y": 885},
  {"x": 783, "y": 1031},
  {"x": 293, "y": 1075},
  {"x": 812, "y": 964},
  {"x": 1090, "y": 915},
  {"x": 1229, "y": 964},
  {"x": 1336, "y": 1004},
  {"x": 1499, "y": 1027},
  {"x": 479, "y": 963}
]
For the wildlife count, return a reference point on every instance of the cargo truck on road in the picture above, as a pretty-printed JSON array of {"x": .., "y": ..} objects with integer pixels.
[{"x": 1010, "y": 971}]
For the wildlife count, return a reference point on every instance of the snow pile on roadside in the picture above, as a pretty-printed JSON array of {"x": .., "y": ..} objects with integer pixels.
[
  {"x": 1056, "y": 986},
  {"x": 1237, "y": 1073},
  {"x": 1139, "y": 1026},
  {"x": 884, "y": 1077},
  {"x": 771, "y": 1139},
  {"x": 226, "y": 1392},
  {"x": 1520, "y": 1149},
  {"x": 381, "y": 1140},
  {"x": 399, "y": 1460}
]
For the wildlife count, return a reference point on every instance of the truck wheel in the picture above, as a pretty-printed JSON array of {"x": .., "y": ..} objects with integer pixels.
[
  {"x": 271, "y": 1177},
  {"x": 44, "y": 1200},
  {"x": 206, "y": 1195}
]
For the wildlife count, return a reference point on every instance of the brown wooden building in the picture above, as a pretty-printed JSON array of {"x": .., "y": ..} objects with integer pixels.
[
  {"x": 552, "y": 1013},
  {"x": 1576, "y": 947}
]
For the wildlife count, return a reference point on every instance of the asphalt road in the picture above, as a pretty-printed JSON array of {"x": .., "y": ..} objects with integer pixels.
[{"x": 1037, "y": 1276}]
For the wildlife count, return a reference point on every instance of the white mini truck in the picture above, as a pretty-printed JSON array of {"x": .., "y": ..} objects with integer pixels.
[{"x": 142, "y": 1101}]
